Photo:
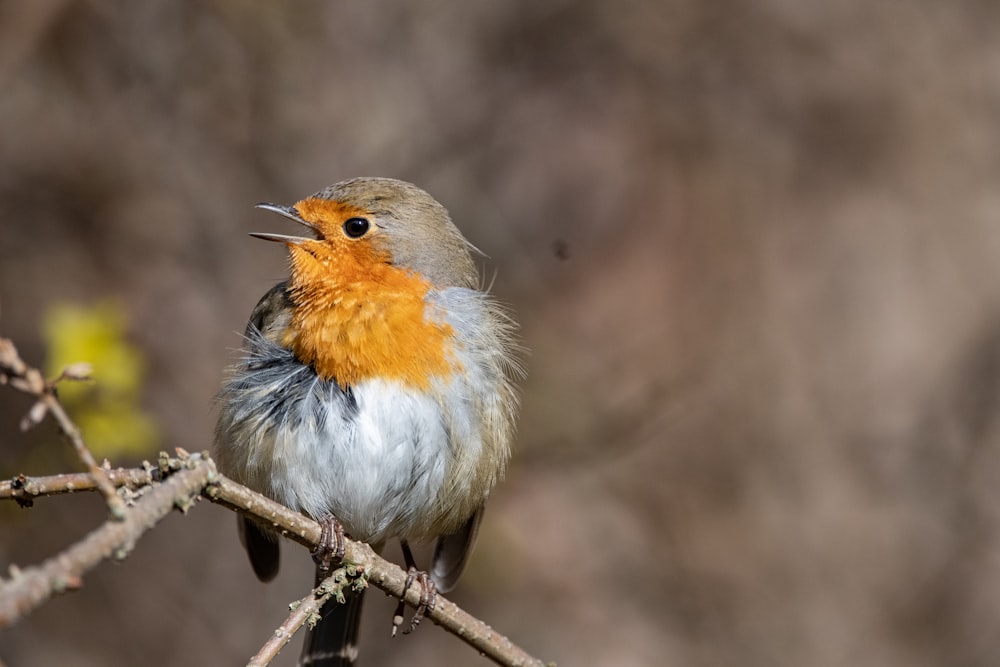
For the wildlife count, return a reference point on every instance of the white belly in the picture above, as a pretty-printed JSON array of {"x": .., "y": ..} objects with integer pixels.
[{"x": 378, "y": 466}]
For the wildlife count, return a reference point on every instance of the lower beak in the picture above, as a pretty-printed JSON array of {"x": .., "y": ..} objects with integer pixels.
[{"x": 280, "y": 238}]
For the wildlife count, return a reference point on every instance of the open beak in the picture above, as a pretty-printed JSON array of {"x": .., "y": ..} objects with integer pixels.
[{"x": 290, "y": 213}]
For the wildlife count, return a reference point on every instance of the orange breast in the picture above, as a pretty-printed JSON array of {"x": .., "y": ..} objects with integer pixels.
[{"x": 357, "y": 317}]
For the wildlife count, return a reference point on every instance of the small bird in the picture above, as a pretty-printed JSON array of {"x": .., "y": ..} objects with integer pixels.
[{"x": 377, "y": 392}]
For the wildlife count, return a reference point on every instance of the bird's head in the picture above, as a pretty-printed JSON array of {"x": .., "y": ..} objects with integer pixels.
[{"x": 366, "y": 224}]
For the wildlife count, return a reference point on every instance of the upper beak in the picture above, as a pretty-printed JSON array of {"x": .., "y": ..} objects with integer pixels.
[{"x": 290, "y": 213}]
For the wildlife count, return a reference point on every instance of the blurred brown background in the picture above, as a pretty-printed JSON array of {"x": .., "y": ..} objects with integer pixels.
[{"x": 753, "y": 246}]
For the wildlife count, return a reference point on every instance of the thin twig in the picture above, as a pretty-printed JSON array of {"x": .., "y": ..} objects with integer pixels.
[
  {"x": 25, "y": 489},
  {"x": 18, "y": 374},
  {"x": 302, "y": 610},
  {"x": 72, "y": 433}
]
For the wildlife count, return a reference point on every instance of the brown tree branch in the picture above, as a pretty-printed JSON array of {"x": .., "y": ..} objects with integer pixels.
[
  {"x": 178, "y": 482},
  {"x": 28, "y": 588},
  {"x": 221, "y": 490},
  {"x": 387, "y": 576}
]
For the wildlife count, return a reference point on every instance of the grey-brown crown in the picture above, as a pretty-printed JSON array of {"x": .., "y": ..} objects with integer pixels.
[{"x": 419, "y": 233}]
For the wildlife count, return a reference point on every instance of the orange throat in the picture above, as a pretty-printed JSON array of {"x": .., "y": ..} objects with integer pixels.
[{"x": 357, "y": 320}]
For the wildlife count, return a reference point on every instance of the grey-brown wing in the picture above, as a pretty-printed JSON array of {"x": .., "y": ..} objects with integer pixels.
[{"x": 452, "y": 553}]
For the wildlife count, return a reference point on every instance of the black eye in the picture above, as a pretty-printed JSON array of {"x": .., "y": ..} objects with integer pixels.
[{"x": 356, "y": 227}]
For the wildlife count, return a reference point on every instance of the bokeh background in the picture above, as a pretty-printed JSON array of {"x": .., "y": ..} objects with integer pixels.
[{"x": 753, "y": 246}]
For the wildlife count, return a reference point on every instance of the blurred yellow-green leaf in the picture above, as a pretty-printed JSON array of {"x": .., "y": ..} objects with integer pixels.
[{"x": 107, "y": 409}]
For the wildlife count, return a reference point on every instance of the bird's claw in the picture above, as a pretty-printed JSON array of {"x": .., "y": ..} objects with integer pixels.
[
  {"x": 330, "y": 549},
  {"x": 428, "y": 597}
]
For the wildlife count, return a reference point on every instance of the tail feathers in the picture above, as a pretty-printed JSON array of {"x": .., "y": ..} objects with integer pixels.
[{"x": 334, "y": 640}]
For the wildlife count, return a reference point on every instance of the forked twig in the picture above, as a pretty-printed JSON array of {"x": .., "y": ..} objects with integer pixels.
[
  {"x": 21, "y": 376},
  {"x": 306, "y": 611}
]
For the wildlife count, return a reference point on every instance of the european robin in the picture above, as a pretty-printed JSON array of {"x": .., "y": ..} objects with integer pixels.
[{"x": 377, "y": 391}]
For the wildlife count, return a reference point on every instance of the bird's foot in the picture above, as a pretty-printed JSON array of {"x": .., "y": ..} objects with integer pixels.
[
  {"x": 428, "y": 596},
  {"x": 330, "y": 549}
]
